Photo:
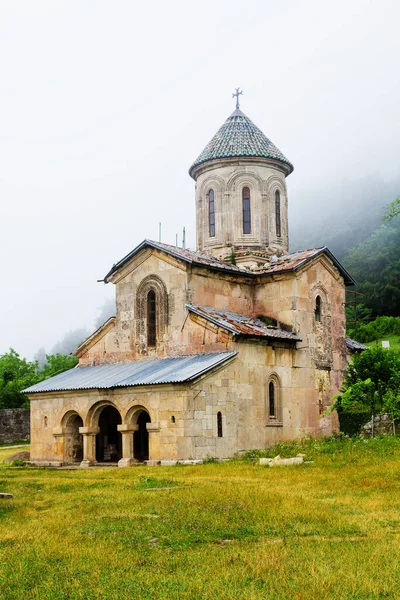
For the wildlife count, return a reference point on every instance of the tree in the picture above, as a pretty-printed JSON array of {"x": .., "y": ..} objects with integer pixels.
[
  {"x": 393, "y": 210},
  {"x": 56, "y": 364},
  {"x": 16, "y": 373},
  {"x": 372, "y": 384}
]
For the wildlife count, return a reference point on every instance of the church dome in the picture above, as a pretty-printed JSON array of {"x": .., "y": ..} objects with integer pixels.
[{"x": 239, "y": 137}]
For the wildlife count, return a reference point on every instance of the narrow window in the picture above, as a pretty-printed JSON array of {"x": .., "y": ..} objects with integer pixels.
[
  {"x": 317, "y": 311},
  {"x": 246, "y": 210},
  {"x": 211, "y": 213},
  {"x": 219, "y": 424},
  {"x": 278, "y": 213},
  {"x": 271, "y": 394},
  {"x": 151, "y": 318}
]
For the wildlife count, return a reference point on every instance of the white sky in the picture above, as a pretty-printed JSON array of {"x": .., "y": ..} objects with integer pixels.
[{"x": 104, "y": 105}]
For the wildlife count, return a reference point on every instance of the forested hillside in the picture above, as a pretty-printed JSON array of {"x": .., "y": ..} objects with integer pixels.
[{"x": 348, "y": 220}]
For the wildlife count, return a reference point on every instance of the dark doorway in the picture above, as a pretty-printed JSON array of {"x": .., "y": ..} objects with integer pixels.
[
  {"x": 73, "y": 449},
  {"x": 141, "y": 438},
  {"x": 108, "y": 441}
]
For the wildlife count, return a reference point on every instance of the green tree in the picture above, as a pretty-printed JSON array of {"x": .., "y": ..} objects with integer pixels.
[
  {"x": 372, "y": 384},
  {"x": 56, "y": 364},
  {"x": 393, "y": 210},
  {"x": 16, "y": 373}
]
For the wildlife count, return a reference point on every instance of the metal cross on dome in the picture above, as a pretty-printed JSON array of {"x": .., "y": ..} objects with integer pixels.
[{"x": 237, "y": 94}]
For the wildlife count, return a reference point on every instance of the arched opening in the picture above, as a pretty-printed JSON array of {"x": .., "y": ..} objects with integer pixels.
[
  {"x": 246, "y": 210},
  {"x": 219, "y": 424},
  {"x": 141, "y": 437},
  {"x": 151, "y": 318},
  {"x": 73, "y": 444},
  {"x": 108, "y": 440},
  {"x": 278, "y": 213},
  {"x": 317, "y": 311},
  {"x": 211, "y": 214},
  {"x": 271, "y": 397}
]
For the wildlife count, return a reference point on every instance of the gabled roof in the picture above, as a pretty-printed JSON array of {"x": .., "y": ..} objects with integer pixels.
[
  {"x": 237, "y": 137},
  {"x": 355, "y": 346},
  {"x": 149, "y": 372},
  {"x": 240, "y": 324},
  {"x": 189, "y": 256},
  {"x": 282, "y": 264},
  {"x": 94, "y": 337}
]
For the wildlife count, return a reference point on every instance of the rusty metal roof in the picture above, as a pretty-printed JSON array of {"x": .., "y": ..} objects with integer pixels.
[
  {"x": 241, "y": 324},
  {"x": 281, "y": 264},
  {"x": 182, "y": 369}
]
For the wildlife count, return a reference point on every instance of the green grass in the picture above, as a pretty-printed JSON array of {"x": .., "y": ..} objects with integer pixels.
[
  {"x": 326, "y": 529},
  {"x": 393, "y": 339}
]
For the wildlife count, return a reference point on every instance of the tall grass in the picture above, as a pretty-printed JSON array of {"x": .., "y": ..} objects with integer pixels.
[{"x": 326, "y": 529}]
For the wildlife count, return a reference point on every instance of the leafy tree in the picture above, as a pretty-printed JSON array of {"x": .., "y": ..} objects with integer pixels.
[
  {"x": 393, "y": 210},
  {"x": 56, "y": 364},
  {"x": 16, "y": 373},
  {"x": 372, "y": 384}
]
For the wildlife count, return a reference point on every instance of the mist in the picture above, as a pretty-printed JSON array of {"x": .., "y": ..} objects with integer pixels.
[{"x": 104, "y": 107}]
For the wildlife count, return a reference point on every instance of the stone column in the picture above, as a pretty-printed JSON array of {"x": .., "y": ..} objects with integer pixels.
[
  {"x": 154, "y": 443},
  {"x": 89, "y": 445},
  {"x": 127, "y": 432}
]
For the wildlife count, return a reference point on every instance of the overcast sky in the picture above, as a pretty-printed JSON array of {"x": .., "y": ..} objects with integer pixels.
[{"x": 104, "y": 105}]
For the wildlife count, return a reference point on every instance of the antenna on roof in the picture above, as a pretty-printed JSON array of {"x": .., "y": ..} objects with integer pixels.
[
  {"x": 184, "y": 238},
  {"x": 159, "y": 232},
  {"x": 176, "y": 240}
]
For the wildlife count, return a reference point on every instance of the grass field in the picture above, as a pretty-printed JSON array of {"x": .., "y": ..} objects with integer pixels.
[
  {"x": 326, "y": 529},
  {"x": 393, "y": 339}
]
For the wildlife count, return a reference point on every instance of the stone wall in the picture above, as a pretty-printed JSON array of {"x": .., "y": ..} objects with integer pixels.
[{"x": 14, "y": 424}]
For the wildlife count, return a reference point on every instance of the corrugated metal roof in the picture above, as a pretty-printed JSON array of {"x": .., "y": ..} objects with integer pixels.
[
  {"x": 354, "y": 345},
  {"x": 149, "y": 372},
  {"x": 241, "y": 324}
]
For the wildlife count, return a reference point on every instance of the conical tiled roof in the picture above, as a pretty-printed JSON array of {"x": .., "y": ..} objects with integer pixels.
[{"x": 238, "y": 136}]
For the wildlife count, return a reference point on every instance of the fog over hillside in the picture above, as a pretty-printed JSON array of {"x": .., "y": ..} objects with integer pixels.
[{"x": 340, "y": 215}]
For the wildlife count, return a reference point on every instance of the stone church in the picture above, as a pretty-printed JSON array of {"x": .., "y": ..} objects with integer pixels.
[{"x": 232, "y": 346}]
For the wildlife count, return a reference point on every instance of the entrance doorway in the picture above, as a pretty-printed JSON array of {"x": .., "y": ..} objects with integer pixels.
[
  {"x": 141, "y": 437},
  {"x": 108, "y": 440},
  {"x": 73, "y": 448}
]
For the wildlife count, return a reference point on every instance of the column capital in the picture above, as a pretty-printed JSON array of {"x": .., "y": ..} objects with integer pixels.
[
  {"x": 89, "y": 430},
  {"x": 125, "y": 428},
  {"x": 58, "y": 431},
  {"x": 152, "y": 427}
]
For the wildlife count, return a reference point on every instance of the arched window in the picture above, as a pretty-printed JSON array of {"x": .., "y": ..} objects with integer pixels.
[
  {"x": 317, "y": 311},
  {"x": 278, "y": 213},
  {"x": 273, "y": 407},
  {"x": 246, "y": 210},
  {"x": 211, "y": 214},
  {"x": 219, "y": 424},
  {"x": 151, "y": 318},
  {"x": 271, "y": 400}
]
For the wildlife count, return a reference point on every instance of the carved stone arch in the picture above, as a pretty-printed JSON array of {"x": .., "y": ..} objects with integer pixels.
[
  {"x": 92, "y": 418},
  {"x": 67, "y": 416},
  {"x": 274, "y": 183},
  {"x": 273, "y": 416},
  {"x": 133, "y": 413},
  {"x": 244, "y": 178},
  {"x": 214, "y": 182},
  {"x": 156, "y": 284},
  {"x": 318, "y": 289}
]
